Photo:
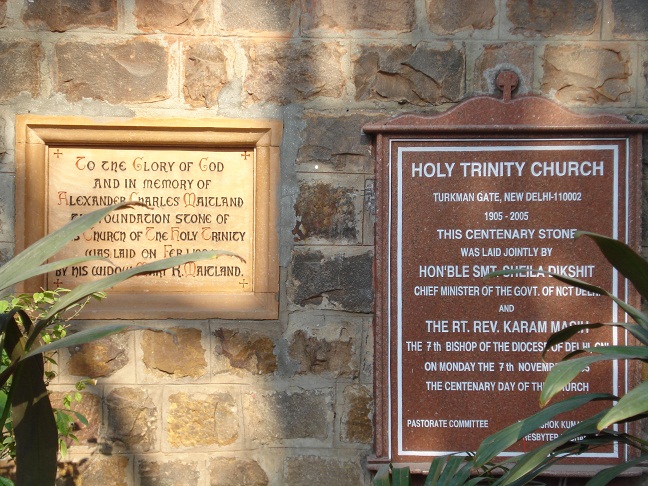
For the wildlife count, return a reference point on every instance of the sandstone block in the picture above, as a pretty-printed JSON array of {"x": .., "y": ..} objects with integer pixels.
[
  {"x": 357, "y": 412},
  {"x": 344, "y": 15},
  {"x": 178, "y": 352},
  {"x": 171, "y": 473},
  {"x": 553, "y": 17},
  {"x": 195, "y": 420},
  {"x": 98, "y": 469},
  {"x": 339, "y": 281},
  {"x": 590, "y": 75},
  {"x": 130, "y": 72},
  {"x": 329, "y": 211},
  {"x": 292, "y": 414},
  {"x": 7, "y": 206},
  {"x": 419, "y": 75},
  {"x": 3, "y": 13},
  {"x": 173, "y": 17},
  {"x": 240, "y": 350},
  {"x": 132, "y": 421},
  {"x": 452, "y": 16},
  {"x": 497, "y": 56},
  {"x": 630, "y": 19},
  {"x": 325, "y": 345},
  {"x": 90, "y": 408},
  {"x": 335, "y": 143},
  {"x": 19, "y": 68},
  {"x": 293, "y": 72},
  {"x": 225, "y": 471},
  {"x": 260, "y": 15},
  {"x": 309, "y": 470},
  {"x": 62, "y": 15},
  {"x": 99, "y": 358},
  {"x": 205, "y": 73}
]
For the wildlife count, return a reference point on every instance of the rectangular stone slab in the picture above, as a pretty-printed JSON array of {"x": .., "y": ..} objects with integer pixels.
[
  {"x": 466, "y": 193},
  {"x": 207, "y": 185}
]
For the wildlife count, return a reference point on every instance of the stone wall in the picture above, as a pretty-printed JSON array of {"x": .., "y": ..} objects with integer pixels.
[{"x": 286, "y": 401}]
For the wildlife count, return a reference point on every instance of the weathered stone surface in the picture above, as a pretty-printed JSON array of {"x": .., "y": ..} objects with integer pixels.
[
  {"x": 451, "y": 16},
  {"x": 7, "y": 208},
  {"x": 553, "y": 17},
  {"x": 244, "y": 350},
  {"x": 98, "y": 469},
  {"x": 205, "y": 73},
  {"x": 260, "y": 15},
  {"x": 19, "y": 68},
  {"x": 62, "y": 15},
  {"x": 286, "y": 72},
  {"x": 225, "y": 471},
  {"x": 498, "y": 56},
  {"x": 99, "y": 358},
  {"x": 356, "y": 417},
  {"x": 202, "y": 419},
  {"x": 172, "y": 473},
  {"x": 128, "y": 72},
  {"x": 342, "y": 282},
  {"x": 309, "y": 470},
  {"x": 6, "y": 252},
  {"x": 178, "y": 352},
  {"x": 3, "y": 13},
  {"x": 327, "y": 211},
  {"x": 630, "y": 19},
  {"x": 174, "y": 17},
  {"x": 325, "y": 345},
  {"x": 335, "y": 143},
  {"x": 90, "y": 408},
  {"x": 132, "y": 421},
  {"x": 343, "y": 15},
  {"x": 292, "y": 414},
  {"x": 587, "y": 74},
  {"x": 418, "y": 75}
]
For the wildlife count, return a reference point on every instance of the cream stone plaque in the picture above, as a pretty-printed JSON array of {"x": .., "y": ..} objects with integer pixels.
[{"x": 207, "y": 185}]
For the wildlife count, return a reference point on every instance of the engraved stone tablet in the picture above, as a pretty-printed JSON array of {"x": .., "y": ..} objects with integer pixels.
[
  {"x": 215, "y": 192},
  {"x": 465, "y": 354}
]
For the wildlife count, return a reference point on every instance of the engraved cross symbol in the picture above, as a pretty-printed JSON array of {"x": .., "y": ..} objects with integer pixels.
[
  {"x": 243, "y": 283},
  {"x": 57, "y": 282},
  {"x": 58, "y": 153},
  {"x": 245, "y": 155}
]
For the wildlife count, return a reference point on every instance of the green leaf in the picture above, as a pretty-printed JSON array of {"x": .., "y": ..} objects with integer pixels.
[
  {"x": 498, "y": 442},
  {"x": 631, "y": 265},
  {"x": 81, "y": 337},
  {"x": 382, "y": 476},
  {"x": 6, "y": 482},
  {"x": 450, "y": 470},
  {"x": 565, "y": 371},
  {"x": 401, "y": 476},
  {"x": 634, "y": 403},
  {"x": 84, "y": 290},
  {"x": 532, "y": 463},
  {"x": 25, "y": 262},
  {"x": 565, "y": 334},
  {"x": 81, "y": 418},
  {"x": 636, "y": 314},
  {"x": 606, "y": 475}
]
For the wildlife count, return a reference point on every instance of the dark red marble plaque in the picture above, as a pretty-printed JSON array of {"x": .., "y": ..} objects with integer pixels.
[{"x": 458, "y": 357}]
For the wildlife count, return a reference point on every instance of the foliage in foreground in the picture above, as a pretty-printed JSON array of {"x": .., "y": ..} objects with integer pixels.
[
  {"x": 26, "y": 403},
  {"x": 592, "y": 433}
]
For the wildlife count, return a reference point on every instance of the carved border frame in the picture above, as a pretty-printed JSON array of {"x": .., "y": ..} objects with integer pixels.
[{"x": 35, "y": 133}]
